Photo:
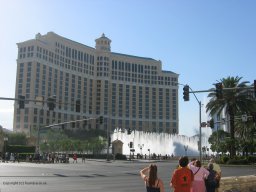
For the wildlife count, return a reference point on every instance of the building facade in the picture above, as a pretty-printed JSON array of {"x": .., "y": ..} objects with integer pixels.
[{"x": 128, "y": 91}]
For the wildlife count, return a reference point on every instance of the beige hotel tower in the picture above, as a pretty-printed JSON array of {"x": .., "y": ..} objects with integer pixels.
[{"x": 128, "y": 91}]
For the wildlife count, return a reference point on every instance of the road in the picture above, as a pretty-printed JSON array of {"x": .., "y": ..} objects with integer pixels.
[{"x": 93, "y": 176}]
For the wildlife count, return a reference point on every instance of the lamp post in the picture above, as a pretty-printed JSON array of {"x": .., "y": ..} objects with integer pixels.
[
  {"x": 148, "y": 153},
  {"x": 204, "y": 150},
  {"x": 141, "y": 146},
  {"x": 186, "y": 149},
  {"x": 5, "y": 143}
]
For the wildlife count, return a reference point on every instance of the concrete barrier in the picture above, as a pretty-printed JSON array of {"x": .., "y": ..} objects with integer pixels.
[{"x": 238, "y": 184}]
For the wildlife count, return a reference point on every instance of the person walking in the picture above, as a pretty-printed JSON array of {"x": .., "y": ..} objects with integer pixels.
[
  {"x": 74, "y": 158},
  {"x": 211, "y": 182},
  {"x": 182, "y": 177},
  {"x": 200, "y": 174},
  {"x": 83, "y": 158},
  {"x": 152, "y": 182}
]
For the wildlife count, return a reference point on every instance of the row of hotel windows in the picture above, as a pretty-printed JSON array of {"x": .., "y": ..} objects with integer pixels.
[
  {"x": 54, "y": 83},
  {"x": 73, "y": 53},
  {"x": 40, "y": 113},
  {"x": 151, "y": 78},
  {"x": 43, "y": 78},
  {"x": 86, "y": 58},
  {"x": 60, "y": 60}
]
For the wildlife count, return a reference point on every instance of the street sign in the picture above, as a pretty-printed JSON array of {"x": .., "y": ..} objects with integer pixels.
[{"x": 244, "y": 118}]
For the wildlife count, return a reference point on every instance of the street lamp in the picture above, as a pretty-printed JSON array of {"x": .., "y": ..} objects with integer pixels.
[
  {"x": 141, "y": 146},
  {"x": 148, "y": 153},
  {"x": 5, "y": 143},
  {"x": 186, "y": 148}
]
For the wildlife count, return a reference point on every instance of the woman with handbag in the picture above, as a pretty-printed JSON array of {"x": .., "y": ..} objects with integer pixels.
[{"x": 200, "y": 174}]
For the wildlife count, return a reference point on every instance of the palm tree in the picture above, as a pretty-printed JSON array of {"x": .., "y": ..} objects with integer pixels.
[
  {"x": 234, "y": 100},
  {"x": 245, "y": 134}
]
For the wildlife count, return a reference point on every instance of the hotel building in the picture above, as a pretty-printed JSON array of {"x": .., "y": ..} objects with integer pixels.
[{"x": 128, "y": 91}]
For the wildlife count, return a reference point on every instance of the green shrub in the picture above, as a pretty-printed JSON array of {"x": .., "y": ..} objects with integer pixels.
[
  {"x": 20, "y": 149},
  {"x": 120, "y": 156},
  {"x": 238, "y": 162},
  {"x": 224, "y": 159},
  {"x": 251, "y": 159},
  {"x": 23, "y": 156}
]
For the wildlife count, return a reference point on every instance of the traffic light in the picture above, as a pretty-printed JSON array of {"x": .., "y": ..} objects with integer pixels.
[
  {"x": 131, "y": 144},
  {"x": 129, "y": 131},
  {"x": 101, "y": 119},
  {"x": 219, "y": 90},
  {"x": 186, "y": 93},
  {"x": 78, "y": 105},
  {"x": 254, "y": 88},
  {"x": 21, "y": 101},
  {"x": 51, "y": 103}
]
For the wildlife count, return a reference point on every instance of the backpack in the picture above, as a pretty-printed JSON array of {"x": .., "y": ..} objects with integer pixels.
[{"x": 211, "y": 179}]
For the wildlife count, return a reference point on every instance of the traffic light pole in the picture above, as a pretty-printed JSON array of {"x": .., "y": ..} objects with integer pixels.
[
  {"x": 200, "y": 119},
  {"x": 200, "y": 131},
  {"x": 200, "y": 127},
  {"x": 108, "y": 144}
]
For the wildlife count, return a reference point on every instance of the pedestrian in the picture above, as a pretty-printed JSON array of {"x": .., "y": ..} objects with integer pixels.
[
  {"x": 216, "y": 168},
  {"x": 17, "y": 157},
  {"x": 12, "y": 158},
  {"x": 83, "y": 158},
  {"x": 74, "y": 158},
  {"x": 211, "y": 182},
  {"x": 152, "y": 182},
  {"x": 182, "y": 177},
  {"x": 200, "y": 174}
]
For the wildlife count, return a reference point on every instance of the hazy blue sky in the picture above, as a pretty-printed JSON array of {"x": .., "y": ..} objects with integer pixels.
[{"x": 202, "y": 41}]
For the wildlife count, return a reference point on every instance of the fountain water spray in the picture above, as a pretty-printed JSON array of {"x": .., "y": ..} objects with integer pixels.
[{"x": 158, "y": 143}]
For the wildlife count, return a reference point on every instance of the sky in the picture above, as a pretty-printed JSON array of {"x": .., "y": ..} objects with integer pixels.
[{"x": 202, "y": 41}]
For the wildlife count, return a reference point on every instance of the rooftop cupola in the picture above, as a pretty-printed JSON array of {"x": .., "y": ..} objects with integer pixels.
[{"x": 103, "y": 43}]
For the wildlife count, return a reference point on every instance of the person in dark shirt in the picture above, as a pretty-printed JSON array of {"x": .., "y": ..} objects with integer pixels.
[
  {"x": 152, "y": 182},
  {"x": 211, "y": 182}
]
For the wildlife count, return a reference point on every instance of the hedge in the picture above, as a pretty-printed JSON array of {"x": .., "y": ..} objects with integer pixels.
[{"x": 20, "y": 149}]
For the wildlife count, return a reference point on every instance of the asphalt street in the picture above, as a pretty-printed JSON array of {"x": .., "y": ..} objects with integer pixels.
[{"x": 93, "y": 176}]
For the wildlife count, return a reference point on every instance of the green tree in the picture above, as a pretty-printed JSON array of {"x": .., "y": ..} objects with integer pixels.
[
  {"x": 217, "y": 141},
  {"x": 234, "y": 100},
  {"x": 17, "y": 139},
  {"x": 245, "y": 136},
  {"x": 97, "y": 144}
]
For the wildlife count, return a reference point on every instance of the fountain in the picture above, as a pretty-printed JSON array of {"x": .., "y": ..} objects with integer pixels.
[{"x": 158, "y": 143}]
